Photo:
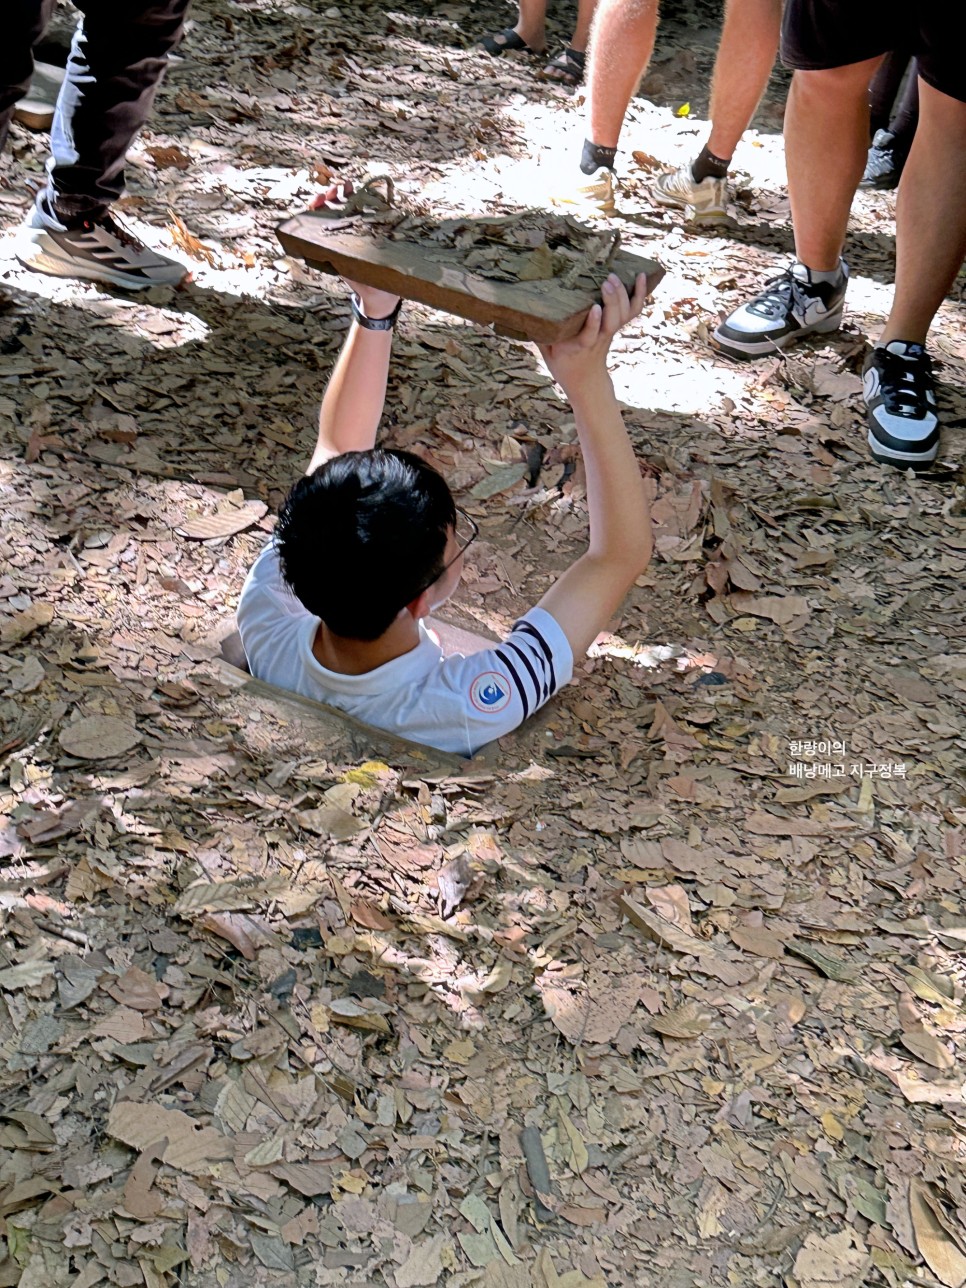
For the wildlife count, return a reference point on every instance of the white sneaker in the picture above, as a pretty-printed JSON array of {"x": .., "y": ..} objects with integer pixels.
[
  {"x": 790, "y": 306},
  {"x": 900, "y": 395},
  {"x": 707, "y": 199},
  {"x": 590, "y": 194},
  {"x": 101, "y": 251}
]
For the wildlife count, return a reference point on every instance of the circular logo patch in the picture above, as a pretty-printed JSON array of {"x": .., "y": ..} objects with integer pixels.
[{"x": 490, "y": 692}]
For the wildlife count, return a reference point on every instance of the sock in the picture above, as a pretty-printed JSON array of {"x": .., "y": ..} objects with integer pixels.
[
  {"x": 806, "y": 274},
  {"x": 64, "y": 219},
  {"x": 594, "y": 156},
  {"x": 707, "y": 166}
]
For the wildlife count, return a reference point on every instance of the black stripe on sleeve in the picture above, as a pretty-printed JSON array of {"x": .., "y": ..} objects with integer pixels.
[
  {"x": 522, "y": 644},
  {"x": 512, "y": 669},
  {"x": 537, "y": 655},
  {"x": 529, "y": 665},
  {"x": 536, "y": 649},
  {"x": 532, "y": 630}
]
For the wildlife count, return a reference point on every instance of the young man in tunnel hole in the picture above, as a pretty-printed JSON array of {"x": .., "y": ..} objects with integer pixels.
[{"x": 370, "y": 542}]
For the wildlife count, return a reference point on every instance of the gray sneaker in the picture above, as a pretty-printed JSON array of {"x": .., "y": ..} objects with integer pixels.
[
  {"x": 790, "y": 306},
  {"x": 900, "y": 395},
  {"x": 99, "y": 251},
  {"x": 706, "y": 200},
  {"x": 587, "y": 194},
  {"x": 883, "y": 166}
]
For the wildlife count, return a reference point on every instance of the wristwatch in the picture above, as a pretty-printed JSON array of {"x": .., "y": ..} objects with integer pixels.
[{"x": 374, "y": 324}]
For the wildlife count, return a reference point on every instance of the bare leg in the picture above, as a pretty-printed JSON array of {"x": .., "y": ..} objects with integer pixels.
[
  {"x": 621, "y": 41},
  {"x": 745, "y": 58},
  {"x": 585, "y": 16},
  {"x": 930, "y": 216},
  {"x": 826, "y": 145},
  {"x": 531, "y": 23}
]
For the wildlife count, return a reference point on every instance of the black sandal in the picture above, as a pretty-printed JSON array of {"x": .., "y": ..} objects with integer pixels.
[
  {"x": 567, "y": 68},
  {"x": 500, "y": 41}
]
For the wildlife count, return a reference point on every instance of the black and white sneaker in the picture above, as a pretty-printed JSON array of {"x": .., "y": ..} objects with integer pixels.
[
  {"x": 100, "y": 251},
  {"x": 901, "y": 398},
  {"x": 789, "y": 307}
]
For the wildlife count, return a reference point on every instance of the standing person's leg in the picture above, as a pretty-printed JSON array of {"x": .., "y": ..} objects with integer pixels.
[
  {"x": 902, "y": 127},
  {"x": 529, "y": 34},
  {"x": 585, "y": 18},
  {"x": 621, "y": 41},
  {"x": 891, "y": 144},
  {"x": 930, "y": 247},
  {"x": 884, "y": 87},
  {"x": 532, "y": 23},
  {"x": 834, "y": 47},
  {"x": 826, "y": 133},
  {"x": 746, "y": 56},
  {"x": 569, "y": 65},
  {"x": 826, "y": 143},
  {"x": 117, "y": 59},
  {"x": 930, "y": 216},
  {"x": 24, "y": 22},
  {"x": 743, "y": 64}
]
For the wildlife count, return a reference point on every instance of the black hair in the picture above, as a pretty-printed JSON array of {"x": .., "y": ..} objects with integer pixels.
[{"x": 364, "y": 535}]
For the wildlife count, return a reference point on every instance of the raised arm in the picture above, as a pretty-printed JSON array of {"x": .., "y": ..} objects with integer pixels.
[
  {"x": 356, "y": 392},
  {"x": 588, "y": 594}
]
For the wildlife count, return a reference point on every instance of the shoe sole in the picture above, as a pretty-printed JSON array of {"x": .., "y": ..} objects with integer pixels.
[
  {"x": 760, "y": 348},
  {"x": 34, "y": 115},
  {"x": 36, "y": 109},
  {"x": 587, "y": 205},
  {"x": 902, "y": 460},
  {"x": 41, "y": 261},
  {"x": 705, "y": 215},
  {"x": 698, "y": 213}
]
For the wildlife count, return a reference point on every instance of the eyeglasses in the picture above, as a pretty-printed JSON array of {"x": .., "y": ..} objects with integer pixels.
[{"x": 466, "y": 530}]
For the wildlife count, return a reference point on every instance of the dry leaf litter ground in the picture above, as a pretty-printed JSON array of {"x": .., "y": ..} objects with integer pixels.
[{"x": 623, "y": 1003}]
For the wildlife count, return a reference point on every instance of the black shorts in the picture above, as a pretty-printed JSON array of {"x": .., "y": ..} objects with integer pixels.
[{"x": 820, "y": 34}]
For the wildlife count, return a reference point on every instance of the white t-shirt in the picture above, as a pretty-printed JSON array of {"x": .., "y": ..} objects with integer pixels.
[{"x": 456, "y": 703}]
